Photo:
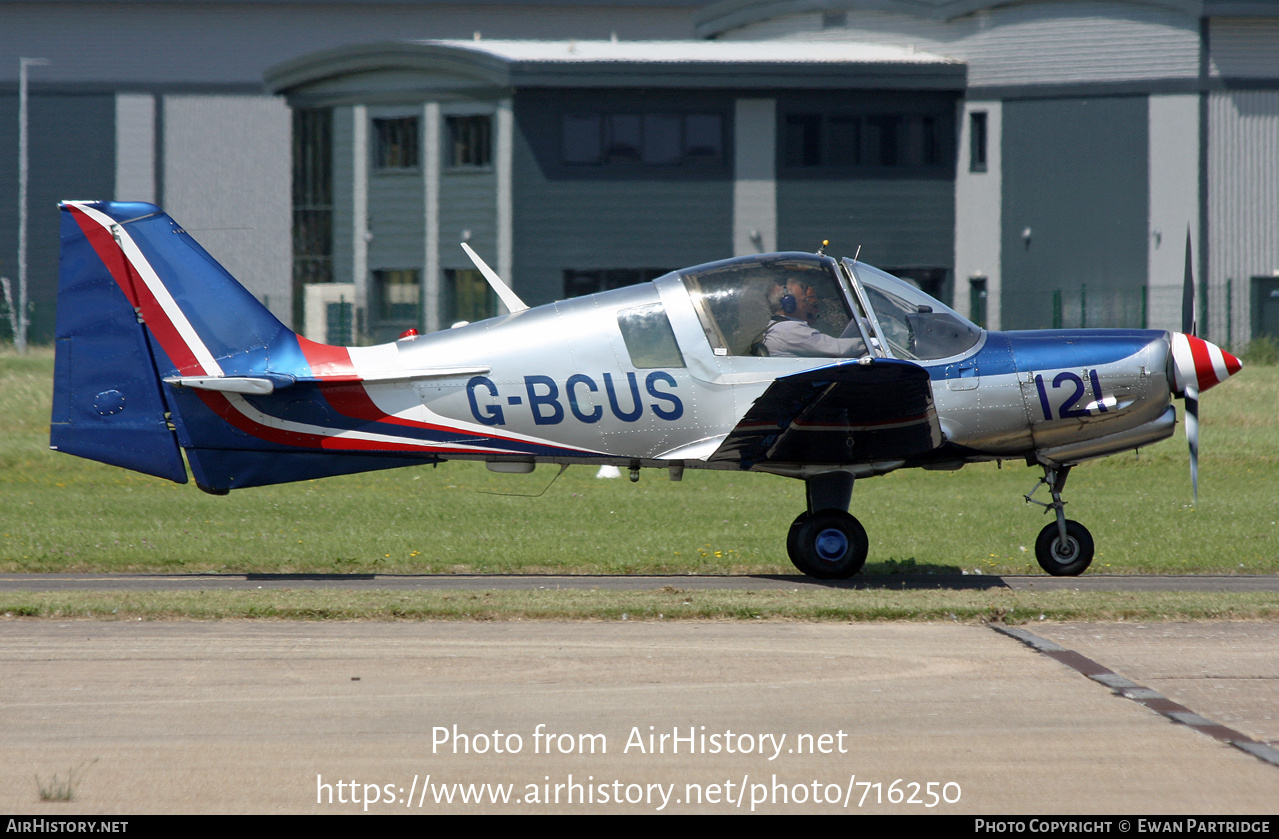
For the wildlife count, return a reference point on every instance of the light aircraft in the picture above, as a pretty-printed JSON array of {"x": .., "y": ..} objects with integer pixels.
[{"x": 160, "y": 350}]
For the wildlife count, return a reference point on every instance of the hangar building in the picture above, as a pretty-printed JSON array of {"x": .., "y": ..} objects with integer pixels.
[
  {"x": 577, "y": 166},
  {"x": 163, "y": 101},
  {"x": 1035, "y": 162},
  {"x": 1093, "y": 134}
]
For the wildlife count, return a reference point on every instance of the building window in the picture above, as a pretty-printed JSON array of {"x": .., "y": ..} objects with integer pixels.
[
  {"x": 623, "y": 138},
  {"x": 312, "y": 201},
  {"x": 470, "y": 141},
  {"x": 467, "y": 296},
  {"x": 866, "y": 141},
  {"x": 703, "y": 138},
  {"x": 935, "y": 282},
  {"x": 977, "y": 300},
  {"x": 977, "y": 141},
  {"x": 583, "y": 139},
  {"x": 803, "y": 140},
  {"x": 395, "y": 302},
  {"x": 578, "y": 283},
  {"x": 395, "y": 143},
  {"x": 644, "y": 139},
  {"x": 879, "y": 141},
  {"x": 339, "y": 323},
  {"x": 662, "y": 140}
]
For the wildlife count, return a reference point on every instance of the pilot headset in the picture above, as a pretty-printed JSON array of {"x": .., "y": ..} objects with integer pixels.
[{"x": 788, "y": 303}]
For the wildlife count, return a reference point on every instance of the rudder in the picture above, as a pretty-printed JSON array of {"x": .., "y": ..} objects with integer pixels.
[{"x": 108, "y": 403}]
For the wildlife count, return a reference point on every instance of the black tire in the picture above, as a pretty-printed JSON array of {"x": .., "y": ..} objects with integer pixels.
[
  {"x": 1070, "y": 559},
  {"x": 829, "y": 545},
  {"x": 792, "y": 546}
]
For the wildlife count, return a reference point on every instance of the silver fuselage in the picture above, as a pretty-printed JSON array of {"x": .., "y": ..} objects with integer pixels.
[{"x": 560, "y": 377}]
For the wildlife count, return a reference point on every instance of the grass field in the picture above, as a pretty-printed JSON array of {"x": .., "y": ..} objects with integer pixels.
[{"x": 60, "y": 513}]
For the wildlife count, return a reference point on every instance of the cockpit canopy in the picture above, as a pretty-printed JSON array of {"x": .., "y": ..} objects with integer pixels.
[{"x": 737, "y": 299}]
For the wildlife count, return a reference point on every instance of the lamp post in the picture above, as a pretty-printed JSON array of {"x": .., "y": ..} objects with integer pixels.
[{"x": 18, "y": 308}]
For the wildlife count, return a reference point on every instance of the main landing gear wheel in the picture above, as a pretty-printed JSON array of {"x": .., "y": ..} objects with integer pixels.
[
  {"x": 828, "y": 545},
  {"x": 1064, "y": 559},
  {"x": 792, "y": 547}
]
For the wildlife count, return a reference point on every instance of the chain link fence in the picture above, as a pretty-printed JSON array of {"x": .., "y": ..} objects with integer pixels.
[{"x": 1219, "y": 316}]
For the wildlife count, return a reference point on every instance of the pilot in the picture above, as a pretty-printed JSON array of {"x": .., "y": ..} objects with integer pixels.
[{"x": 790, "y": 333}]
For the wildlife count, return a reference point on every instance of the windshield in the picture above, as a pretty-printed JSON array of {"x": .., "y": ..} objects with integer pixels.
[
  {"x": 788, "y": 304},
  {"x": 916, "y": 326}
]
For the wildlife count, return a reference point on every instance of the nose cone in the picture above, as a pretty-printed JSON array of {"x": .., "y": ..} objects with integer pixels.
[{"x": 1199, "y": 363}]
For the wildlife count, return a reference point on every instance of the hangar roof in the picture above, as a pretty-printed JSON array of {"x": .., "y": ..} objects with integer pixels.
[
  {"x": 704, "y": 52},
  {"x": 594, "y": 64},
  {"x": 724, "y": 15}
]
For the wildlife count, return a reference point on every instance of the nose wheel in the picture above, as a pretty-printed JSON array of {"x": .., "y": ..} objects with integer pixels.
[
  {"x": 828, "y": 545},
  {"x": 1068, "y": 557},
  {"x": 1065, "y": 547}
]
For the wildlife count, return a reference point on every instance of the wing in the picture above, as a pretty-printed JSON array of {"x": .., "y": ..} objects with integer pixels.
[{"x": 846, "y": 413}]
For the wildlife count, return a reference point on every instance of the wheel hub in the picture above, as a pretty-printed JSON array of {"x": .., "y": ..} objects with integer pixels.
[
  {"x": 1065, "y": 551},
  {"x": 831, "y": 545}
]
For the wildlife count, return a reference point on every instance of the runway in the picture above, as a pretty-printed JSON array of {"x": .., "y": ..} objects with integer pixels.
[{"x": 639, "y": 717}]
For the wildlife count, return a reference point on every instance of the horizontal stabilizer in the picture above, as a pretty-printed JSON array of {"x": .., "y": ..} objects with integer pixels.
[
  {"x": 843, "y": 414},
  {"x": 253, "y": 385}
]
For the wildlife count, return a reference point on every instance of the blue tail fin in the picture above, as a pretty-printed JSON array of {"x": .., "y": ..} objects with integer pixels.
[
  {"x": 108, "y": 403},
  {"x": 160, "y": 349}
]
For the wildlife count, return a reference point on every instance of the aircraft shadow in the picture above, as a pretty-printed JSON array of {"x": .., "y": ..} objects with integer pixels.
[
  {"x": 914, "y": 581},
  {"x": 887, "y": 576}
]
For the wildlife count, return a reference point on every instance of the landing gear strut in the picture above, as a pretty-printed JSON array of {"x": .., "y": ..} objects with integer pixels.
[
  {"x": 1064, "y": 548},
  {"x": 825, "y": 541}
]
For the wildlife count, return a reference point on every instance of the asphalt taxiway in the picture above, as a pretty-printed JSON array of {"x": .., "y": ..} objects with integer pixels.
[{"x": 638, "y": 717}]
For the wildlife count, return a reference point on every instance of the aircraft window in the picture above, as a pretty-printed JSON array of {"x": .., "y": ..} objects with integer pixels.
[
  {"x": 649, "y": 337},
  {"x": 736, "y": 300},
  {"x": 915, "y": 325}
]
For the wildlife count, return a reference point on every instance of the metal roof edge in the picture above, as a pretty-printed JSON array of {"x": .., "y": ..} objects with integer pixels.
[
  {"x": 498, "y": 69},
  {"x": 725, "y": 15},
  {"x": 326, "y": 64}
]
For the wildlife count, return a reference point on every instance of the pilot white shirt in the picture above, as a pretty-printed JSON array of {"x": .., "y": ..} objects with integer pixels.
[{"x": 794, "y": 338}]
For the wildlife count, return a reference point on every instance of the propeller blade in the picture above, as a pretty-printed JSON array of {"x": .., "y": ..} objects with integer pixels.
[
  {"x": 1192, "y": 436},
  {"x": 1192, "y": 391},
  {"x": 1197, "y": 366},
  {"x": 1188, "y": 293}
]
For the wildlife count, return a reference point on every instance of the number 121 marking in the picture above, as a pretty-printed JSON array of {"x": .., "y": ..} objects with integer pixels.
[{"x": 1068, "y": 409}]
